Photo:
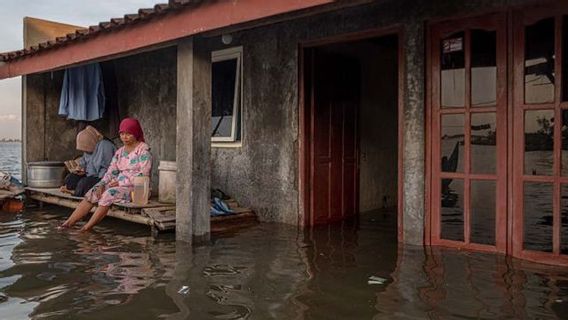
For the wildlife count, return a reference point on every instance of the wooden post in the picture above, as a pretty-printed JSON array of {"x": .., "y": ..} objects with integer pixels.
[{"x": 193, "y": 142}]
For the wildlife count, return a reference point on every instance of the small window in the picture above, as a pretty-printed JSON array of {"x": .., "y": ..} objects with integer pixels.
[{"x": 226, "y": 89}]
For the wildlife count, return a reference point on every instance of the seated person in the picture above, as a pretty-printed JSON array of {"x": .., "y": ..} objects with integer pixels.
[
  {"x": 92, "y": 166},
  {"x": 132, "y": 160}
]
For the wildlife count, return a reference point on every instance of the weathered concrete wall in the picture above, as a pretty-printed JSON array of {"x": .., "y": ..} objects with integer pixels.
[
  {"x": 46, "y": 135},
  {"x": 147, "y": 91},
  {"x": 263, "y": 173}
]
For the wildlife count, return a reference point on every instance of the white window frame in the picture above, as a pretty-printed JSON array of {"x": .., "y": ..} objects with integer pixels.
[{"x": 230, "y": 54}]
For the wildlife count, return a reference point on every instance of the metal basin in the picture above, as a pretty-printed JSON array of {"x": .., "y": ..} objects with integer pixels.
[{"x": 46, "y": 174}]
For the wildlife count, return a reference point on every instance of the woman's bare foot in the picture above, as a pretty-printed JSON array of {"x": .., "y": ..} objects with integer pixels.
[{"x": 64, "y": 225}]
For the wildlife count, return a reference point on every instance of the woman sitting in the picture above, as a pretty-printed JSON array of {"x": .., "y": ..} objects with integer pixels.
[
  {"x": 132, "y": 160},
  {"x": 92, "y": 166}
]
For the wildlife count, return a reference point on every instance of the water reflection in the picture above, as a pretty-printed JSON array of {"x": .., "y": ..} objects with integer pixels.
[
  {"x": 539, "y": 62},
  {"x": 266, "y": 272}
]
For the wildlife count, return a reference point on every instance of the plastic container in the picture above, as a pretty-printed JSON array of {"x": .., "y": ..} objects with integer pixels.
[
  {"x": 141, "y": 191},
  {"x": 167, "y": 188}
]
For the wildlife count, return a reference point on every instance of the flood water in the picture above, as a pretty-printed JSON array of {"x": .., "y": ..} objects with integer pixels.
[{"x": 270, "y": 271}]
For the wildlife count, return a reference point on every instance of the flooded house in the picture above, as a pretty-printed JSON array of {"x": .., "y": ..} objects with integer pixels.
[{"x": 440, "y": 113}]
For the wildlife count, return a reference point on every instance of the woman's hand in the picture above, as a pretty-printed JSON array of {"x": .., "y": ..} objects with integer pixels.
[
  {"x": 99, "y": 189},
  {"x": 113, "y": 184}
]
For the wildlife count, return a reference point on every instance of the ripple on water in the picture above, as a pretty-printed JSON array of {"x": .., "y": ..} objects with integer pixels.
[{"x": 267, "y": 272}]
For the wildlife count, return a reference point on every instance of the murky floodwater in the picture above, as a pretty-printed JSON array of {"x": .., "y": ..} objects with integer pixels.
[{"x": 269, "y": 271}]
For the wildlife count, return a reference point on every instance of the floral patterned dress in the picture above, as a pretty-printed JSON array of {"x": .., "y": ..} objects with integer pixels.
[{"x": 123, "y": 168}]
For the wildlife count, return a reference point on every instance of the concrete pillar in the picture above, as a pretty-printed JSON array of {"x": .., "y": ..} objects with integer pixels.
[
  {"x": 193, "y": 142},
  {"x": 33, "y": 120},
  {"x": 414, "y": 137}
]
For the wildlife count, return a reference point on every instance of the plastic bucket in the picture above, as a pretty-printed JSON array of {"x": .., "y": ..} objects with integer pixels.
[{"x": 167, "y": 188}]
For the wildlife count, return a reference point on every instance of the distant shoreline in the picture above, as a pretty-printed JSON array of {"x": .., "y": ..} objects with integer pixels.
[{"x": 10, "y": 140}]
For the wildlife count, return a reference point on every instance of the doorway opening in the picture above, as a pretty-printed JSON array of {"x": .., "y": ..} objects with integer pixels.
[{"x": 351, "y": 140}]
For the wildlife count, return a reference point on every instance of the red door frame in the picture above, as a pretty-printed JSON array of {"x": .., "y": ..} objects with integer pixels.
[
  {"x": 521, "y": 18},
  {"x": 305, "y": 106},
  {"x": 437, "y": 32}
]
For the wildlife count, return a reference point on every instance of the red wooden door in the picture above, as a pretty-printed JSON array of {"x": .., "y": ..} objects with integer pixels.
[
  {"x": 540, "y": 188},
  {"x": 469, "y": 114},
  {"x": 334, "y": 155}
]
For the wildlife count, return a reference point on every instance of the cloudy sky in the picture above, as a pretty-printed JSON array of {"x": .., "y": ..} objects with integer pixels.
[{"x": 82, "y": 13}]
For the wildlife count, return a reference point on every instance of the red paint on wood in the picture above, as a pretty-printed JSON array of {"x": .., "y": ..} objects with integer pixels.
[
  {"x": 335, "y": 138},
  {"x": 438, "y": 32}
]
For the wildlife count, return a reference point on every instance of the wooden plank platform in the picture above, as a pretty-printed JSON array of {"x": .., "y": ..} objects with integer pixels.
[
  {"x": 7, "y": 194},
  {"x": 129, "y": 207},
  {"x": 160, "y": 217}
]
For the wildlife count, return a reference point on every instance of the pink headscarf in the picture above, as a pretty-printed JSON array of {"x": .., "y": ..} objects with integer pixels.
[{"x": 132, "y": 126}]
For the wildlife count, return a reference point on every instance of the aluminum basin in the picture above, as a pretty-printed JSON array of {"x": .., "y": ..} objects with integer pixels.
[{"x": 46, "y": 174}]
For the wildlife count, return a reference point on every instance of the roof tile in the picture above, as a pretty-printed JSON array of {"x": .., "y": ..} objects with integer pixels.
[{"x": 114, "y": 23}]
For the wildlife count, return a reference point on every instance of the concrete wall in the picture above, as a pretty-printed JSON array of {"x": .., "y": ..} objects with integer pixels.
[{"x": 46, "y": 135}]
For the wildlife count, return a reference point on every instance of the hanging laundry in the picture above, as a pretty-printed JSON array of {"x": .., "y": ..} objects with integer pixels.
[{"x": 82, "y": 95}]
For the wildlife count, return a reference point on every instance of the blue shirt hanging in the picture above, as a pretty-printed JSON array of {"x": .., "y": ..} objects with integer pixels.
[{"x": 82, "y": 95}]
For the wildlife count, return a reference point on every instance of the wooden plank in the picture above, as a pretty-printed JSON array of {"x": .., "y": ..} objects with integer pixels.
[
  {"x": 55, "y": 192},
  {"x": 162, "y": 217},
  {"x": 6, "y": 194},
  {"x": 244, "y": 214},
  {"x": 115, "y": 213}
]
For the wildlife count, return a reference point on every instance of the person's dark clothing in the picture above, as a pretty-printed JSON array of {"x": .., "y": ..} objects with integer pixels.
[{"x": 80, "y": 184}]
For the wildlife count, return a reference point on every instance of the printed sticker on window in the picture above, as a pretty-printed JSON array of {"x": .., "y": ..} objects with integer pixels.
[{"x": 452, "y": 45}]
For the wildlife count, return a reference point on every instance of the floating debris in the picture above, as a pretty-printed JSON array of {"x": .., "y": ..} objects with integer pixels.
[
  {"x": 3, "y": 298},
  {"x": 184, "y": 290},
  {"x": 376, "y": 280}
]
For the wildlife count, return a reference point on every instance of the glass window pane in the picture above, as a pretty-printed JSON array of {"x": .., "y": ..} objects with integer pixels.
[
  {"x": 564, "y": 136},
  {"x": 564, "y": 222},
  {"x": 452, "y": 142},
  {"x": 224, "y": 78},
  {"x": 483, "y": 143},
  {"x": 539, "y": 142},
  {"x": 483, "y": 68},
  {"x": 483, "y": 195},
  {"x": 452, "y": 210},
  {"x": 453, "y": 71},
  {"x": 539, "y": 62},
  {"x": 537, "y": 218}
]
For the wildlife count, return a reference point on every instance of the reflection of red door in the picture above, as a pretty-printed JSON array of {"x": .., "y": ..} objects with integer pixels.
[
  {"x": 334, "y": 143},
  {"x": 469, "y": 110}
]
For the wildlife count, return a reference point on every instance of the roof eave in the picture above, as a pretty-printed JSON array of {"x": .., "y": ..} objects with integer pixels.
[{"x": 189, "y": 21}]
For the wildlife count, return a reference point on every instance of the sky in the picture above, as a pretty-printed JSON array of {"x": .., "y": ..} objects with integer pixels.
[{"x": 81, "y": 13}]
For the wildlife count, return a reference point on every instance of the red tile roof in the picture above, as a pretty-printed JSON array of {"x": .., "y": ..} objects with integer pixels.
[{"x": 106, "y": 26}]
